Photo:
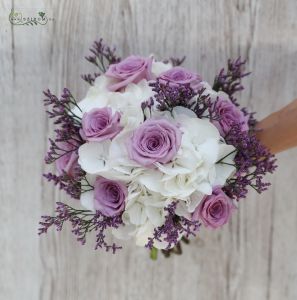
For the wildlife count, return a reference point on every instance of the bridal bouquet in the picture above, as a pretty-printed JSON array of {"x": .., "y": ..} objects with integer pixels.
[{"x": 153, "y": 152}]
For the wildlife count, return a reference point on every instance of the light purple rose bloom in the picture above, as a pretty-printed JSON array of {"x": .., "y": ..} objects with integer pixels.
[
  {"x": 131, "y": 69},
  {"x": 180, "y": 76},
  {"x": 156, "y": 140},
  {"x": 214, "y": 210},
  {"x": 109, "y": 196},
  {"x": 67, "y": 163},
  {"x": 229, "y": 115},
  {"x": 100, "y": 124}
]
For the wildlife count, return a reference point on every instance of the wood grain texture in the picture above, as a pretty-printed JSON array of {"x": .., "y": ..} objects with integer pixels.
[{"x": 253, "y": 257}]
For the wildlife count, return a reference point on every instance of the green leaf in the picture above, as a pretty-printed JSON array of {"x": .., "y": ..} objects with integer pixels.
[
  {"x": 41, "y": 14},
  {"x": 154, "y": 253}
]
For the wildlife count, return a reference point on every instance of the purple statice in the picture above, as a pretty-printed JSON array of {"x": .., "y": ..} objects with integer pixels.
[
  {"x": 168, "y": 97},
  {"x": 252, "y": 161},
  {"x": 146, "y": 107},
  {"x": 66, "y": 142},
  {"x": 68, "y": 124},
  {"x": 203, "y": 107},
  {"x": 229, "y": 81},
  {"x": 177, "y": 249},
  {"x": 175, "y": 61},
  {"x": 73, "y": 185},
  {"x": 82, "y": 222},
  {"x": 90, "y": 78},
  {"x": 173, "y": 228},
  {"x": 252, "y": 122},
  {"x": 101, "y": 56}
]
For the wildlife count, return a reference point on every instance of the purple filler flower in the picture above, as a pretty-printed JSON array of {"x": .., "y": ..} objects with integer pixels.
[
  {"x": 131, "y": 69},
  {"x": 109, "y": 196},
  {"x": 100, "y": 124},
  {"x": 229, "y": 115},
  {"x": 214, "y": 210},
  {"x": 156, "y": 140},
  {"x": 178, "y": 75},
  {"x": 68, "y": 161}
]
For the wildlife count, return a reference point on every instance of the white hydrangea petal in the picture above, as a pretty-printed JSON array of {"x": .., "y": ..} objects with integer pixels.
[
  {"x": 140, "y": 92},
  {"x": 143, "y": 206},
  {"x": 227, "y": 152},
  {"x": 87, "y": 200},
  {"x": 144, "y": 233},
  {"x": 118, "y": 152},
  {"x": 152, "y": 180},
  {"x": 182, "y": 209},
  {"x": 189, "y": 159},
  {"x": 171, "y": 169},
  {"x": 120, "y": 100},
  {"x": 93, "y": 100},
  {"x": 91, "y": 178},
  {"x": 194, "y": 201},
  {"x": 210, "y": 151},
  {"x": 212, "y": 175},
  {"x": 223, "y": 172},
  {"x": 135, "y": 213},
  {"x": 102, "y": 82},
  {"x": 204, "y": 187},
  {"x": 131, "y": 117},
  {"x": 159, "y": 67},
  {"x": 193, "y": 177},
  {"x": 212, "y": 93},
  {"x": 123, "y": 167},
  {"x": 176, "y": 189},
  {"x": 156, "y": 202},
  {"x": 132, "y": 198},
  {"x": 180, "y": 110},
  {"x": 124, "y": 232},
  {"x": 154, "y": 215},
  {"x": 93, "y": 157},
  {"x": 199, "y": 130},
  {"x": 225, "y": 169}
]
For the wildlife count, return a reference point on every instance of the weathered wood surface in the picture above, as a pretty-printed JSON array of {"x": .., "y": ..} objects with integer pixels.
[{"x": 253, "y": 257}]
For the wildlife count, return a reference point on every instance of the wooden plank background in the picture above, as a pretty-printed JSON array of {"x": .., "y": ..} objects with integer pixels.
[{"x": 253, "y": 257}]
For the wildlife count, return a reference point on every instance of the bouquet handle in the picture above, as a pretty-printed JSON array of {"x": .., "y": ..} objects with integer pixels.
[{"x": 278, "y": 131}]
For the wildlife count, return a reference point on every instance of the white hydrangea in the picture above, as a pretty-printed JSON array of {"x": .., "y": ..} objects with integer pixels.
[{"x": 190, "y": 176}]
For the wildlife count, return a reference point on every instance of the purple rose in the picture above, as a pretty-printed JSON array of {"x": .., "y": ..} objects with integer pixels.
[
  {"x": 178, "y": 75},
  {"x": 131, "y": 69},
  {"x": 109, "y": 196},
  {"x": 100, "y": 124},
  {"x": 229, "y": 115},
  {"x": 214, "y": 210},
  {"x": 68, "y": 162},
  {"x": 154, "y": 141}
]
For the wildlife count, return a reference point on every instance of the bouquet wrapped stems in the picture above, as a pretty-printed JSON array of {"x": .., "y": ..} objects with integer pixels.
[{"x": 278, "y": 131}]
